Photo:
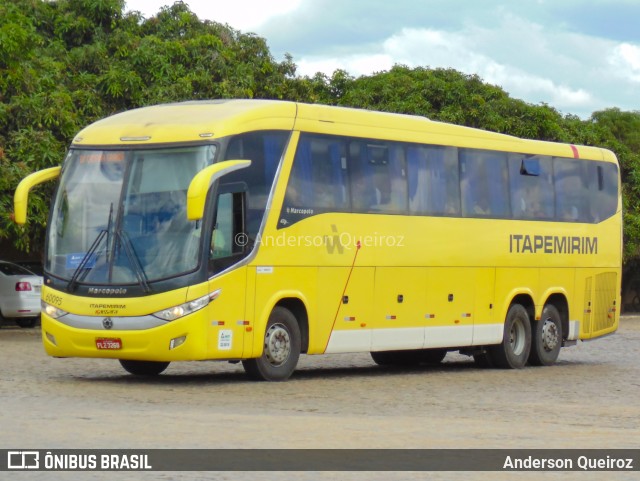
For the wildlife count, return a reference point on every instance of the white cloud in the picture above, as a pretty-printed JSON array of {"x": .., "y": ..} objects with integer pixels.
[
  {"x": 625, "y": 59},
  {"x": 242, "y": 15},
  {"x": 440, "y": 49}
]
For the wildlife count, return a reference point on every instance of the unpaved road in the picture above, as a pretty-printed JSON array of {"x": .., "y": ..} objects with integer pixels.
[{"x": 589, "y": 399}]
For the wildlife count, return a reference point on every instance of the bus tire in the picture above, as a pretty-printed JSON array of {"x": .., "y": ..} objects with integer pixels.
[
  {"x": 281, "y": 349},
  {"x": 143, "y": 368},
  {"x": 513, "y": 352},
  {"x": 546, "y": 338},
  {"x": 483, "y": 359}
]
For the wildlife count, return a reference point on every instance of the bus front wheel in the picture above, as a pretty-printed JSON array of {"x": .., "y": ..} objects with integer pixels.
[
  {"x": 143, "y": 368},
  {"x": 516, "y": 340},
  {"x": 547, "y": 337},
  {"x": 281, "y": 349}
]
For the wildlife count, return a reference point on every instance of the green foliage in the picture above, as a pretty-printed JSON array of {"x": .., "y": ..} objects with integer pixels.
[{"x": 67, "y": 63}]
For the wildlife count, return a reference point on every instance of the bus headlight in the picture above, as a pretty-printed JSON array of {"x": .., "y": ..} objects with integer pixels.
[
  {"x": 176, "y": 312},
  {"x": 52, "y": 311}
]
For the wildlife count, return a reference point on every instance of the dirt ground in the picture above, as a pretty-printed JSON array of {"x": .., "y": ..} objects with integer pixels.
[{"x": 589, "y": 399}]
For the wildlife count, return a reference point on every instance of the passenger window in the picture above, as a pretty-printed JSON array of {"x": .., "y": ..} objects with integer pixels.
[
  {"x": 571, "y": 190},
  {"x": 434, "y": 188},
  {"x": 317, "y": 182},
  {"x": 483, "y": 183},
  {"x": 603, "y": 190},
  {"x": 378, "y": 177},
  {"x": 531, "y": 182}
]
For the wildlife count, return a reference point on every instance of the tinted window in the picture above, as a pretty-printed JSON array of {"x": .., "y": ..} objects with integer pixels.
[
  {"x": 434, "y": 188},
  {"x": 14, "y": 270},
  {"x": 483, "y": 183},
  {"x": 531, "y": 179},
  {"x": 378, "y": 177},
  {"x": 333, "y": 174},
  {"x": 604, "y": 191},
  {"x": 265, "y": 150},
  {"x": 318, "y": 179},
  {"x": 571, "y": 190}
]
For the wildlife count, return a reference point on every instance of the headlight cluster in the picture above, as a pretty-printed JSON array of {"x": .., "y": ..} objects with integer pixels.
[
  {"x": 52, "y": 311},
  {"x": 176, "y": 312}
]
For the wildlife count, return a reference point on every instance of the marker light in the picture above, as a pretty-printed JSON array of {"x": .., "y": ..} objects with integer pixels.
[
  {"x": 178, "y": 341},
  {"x": 52, "y": 311},
  {"x": 51, "y": 338}
]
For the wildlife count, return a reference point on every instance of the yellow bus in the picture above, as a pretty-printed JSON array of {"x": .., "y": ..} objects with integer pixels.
[{"x": 255, "y": 230}]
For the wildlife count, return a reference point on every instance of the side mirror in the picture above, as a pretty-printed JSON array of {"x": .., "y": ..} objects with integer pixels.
[
  {"x": 199, "y": 186},
  {"x": 21, "y": 196}
]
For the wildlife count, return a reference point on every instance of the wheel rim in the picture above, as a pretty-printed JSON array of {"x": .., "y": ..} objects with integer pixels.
[
  {"x": 517, "y": 337},
  {"x": 277, "y": 344},
  {"x": 549, "y": 335}
]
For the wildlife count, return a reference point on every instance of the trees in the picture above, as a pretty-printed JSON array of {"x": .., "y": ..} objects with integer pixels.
[{"x": 66, "y": 63}]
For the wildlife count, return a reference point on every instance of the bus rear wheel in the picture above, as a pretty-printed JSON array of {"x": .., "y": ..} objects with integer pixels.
[
  {"x": 143, "y": 368},
  {"x": 281, "y": 349},
  {"x": 547, "y": 337},
  {"x": 516, "y": 340}
]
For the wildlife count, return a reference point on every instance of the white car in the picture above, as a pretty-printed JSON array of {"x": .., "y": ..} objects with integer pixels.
[{"x": 19, "y": 294}]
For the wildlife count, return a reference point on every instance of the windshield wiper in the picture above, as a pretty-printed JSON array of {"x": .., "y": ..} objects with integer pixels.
[
  {"x": 134, "y": 260},
  {"x": 82, "y": 267}
]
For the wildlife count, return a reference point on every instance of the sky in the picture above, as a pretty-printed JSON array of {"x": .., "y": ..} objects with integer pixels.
[{"x": 578, "y": 56}]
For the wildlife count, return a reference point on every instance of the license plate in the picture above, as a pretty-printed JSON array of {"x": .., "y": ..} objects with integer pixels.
[{"x": 109, "y": 343}]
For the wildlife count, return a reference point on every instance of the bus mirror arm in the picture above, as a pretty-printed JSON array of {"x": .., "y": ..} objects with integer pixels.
[
  {"x": 21, "y": 196},
  {"x": 203, "y": 180}
]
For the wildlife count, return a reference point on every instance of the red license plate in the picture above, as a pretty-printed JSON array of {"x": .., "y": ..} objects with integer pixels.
[{"x": 109, "y": 343}]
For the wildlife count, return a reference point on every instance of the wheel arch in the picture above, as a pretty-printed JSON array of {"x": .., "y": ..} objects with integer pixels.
[
  {"x": 559, "y": 301},
  {"x": 295, "y": 302},
  {"x": 299, "y": 310},
  {"x": 525, "y": 299}
]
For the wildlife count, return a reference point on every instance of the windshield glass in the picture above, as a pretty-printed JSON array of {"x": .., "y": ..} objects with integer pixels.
[{"x": 119, "y": 217}]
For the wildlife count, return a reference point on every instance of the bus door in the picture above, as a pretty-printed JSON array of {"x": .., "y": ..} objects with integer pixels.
[{"x": 228, "y": 336}]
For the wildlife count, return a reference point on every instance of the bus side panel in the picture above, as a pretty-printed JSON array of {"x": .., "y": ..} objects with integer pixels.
[
  {"x": 450, "y": 305},
  {"x": 352, "y": 331},
  {"x": 272, "y": 285},
  {"x": 487, "y": 329},
  {"x": 512, "y": 281},
  {"x": 399, "y": 308}
]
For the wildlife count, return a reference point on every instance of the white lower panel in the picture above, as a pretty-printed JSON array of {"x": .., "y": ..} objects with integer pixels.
[
  {"x": 574, "y": 331},
  {"x": 365, "y": 340},
  {"x": 486, "y": 334},
  {"x": 349, "y": 341},
  {"x": 397, "y": 338},
  {"x": 441, "y": 336}
]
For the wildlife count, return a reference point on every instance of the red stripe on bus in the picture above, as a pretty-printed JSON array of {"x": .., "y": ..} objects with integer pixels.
[{"x": 576, "y": 155}]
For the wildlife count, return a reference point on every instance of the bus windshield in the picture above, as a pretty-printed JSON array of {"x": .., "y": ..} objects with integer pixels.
[{"x": 119, "y": 216}]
